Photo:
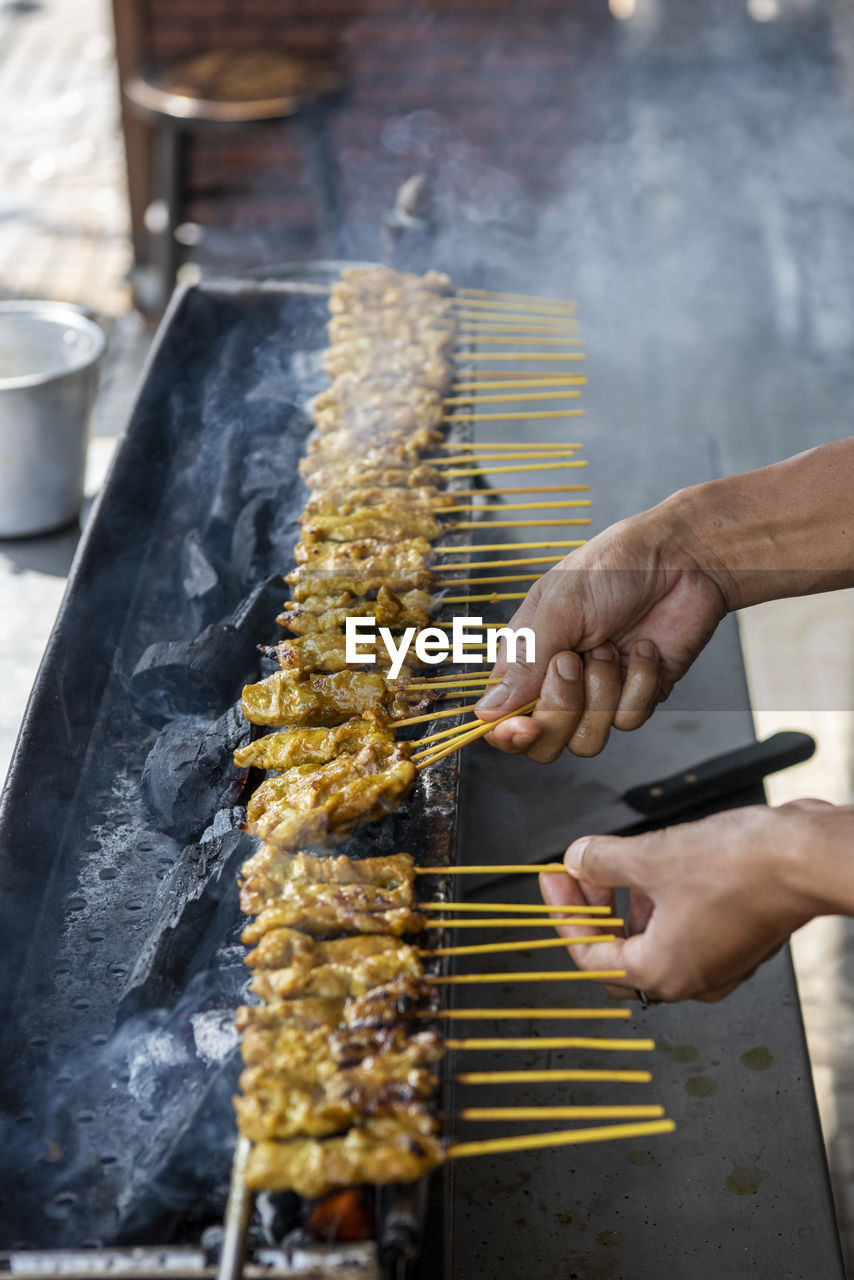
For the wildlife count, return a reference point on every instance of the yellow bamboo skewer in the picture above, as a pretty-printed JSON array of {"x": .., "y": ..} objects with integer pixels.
[
  {"x": 440, "y": 682},
  {"x": 523, "y": 355},
  {"x": 496, "y": 455},
  {"x": 525, "y": 415},
  {"x": 472, "y": 327},
  {"x": 473, "y": 446},
  {"x": 497, "y": 597},
  {"x": 497, "y": 564},
  {"x": 503, "y": 546},
  {"x": 517, "y": 524},
  {"x": 502, "y": 922},
  {"x": 503, "y": 380},
  {"x": 522, "y": 466},
  {"x": 515, "y": 506},
  {"x": 463, "y": 739},
  {"x": 473, "y": 398},
  {"x": 444, "y": 733},
  {"x": 446, "y": 583},
  {"x": 544, "y": 975},
  {"x": 465, "y": 291},
  {"x": 506, "y": 309},
  {"x": 526, "y": 944},
  {"x": 486, "y": 340},
  {"x": 565, "y": 1138},
  {"x": 557, "y": 1075},
  {"x": 508, "y": 302},
  {"x": 435, "y": 715},
  {"x": 550, "y": 1042},
  {"x": 512, "y": 868},
  {"x": 628, "y": 1112},
  {"x": 516, "y": 491},
  {"x": 535, "y": 1014},
  {"x": 511, "y": 908}
]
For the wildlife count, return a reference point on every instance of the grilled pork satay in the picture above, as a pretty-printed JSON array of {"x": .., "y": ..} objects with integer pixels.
[
  {"x": 288, "y": 697},
  {"x": 326, "y": 912},
  {"x": 393, "y": 875},
  {"x": 429, "y": 358},
  {"x": 384, "y": 1008},
  {"x": 368, "y": 555},
  {"x": 378, "y": 286},
  {"x": 312, "y": 745},
  {"x": 320, "y": 473},
  {"x": 323, "y": 652},
  {"x": 339, "y": 448},
  {"x": 330, "y": 613},
  {"x": 340, "y": 967},
  {"x": 273, "y": 876},
  {"x": 372, "y": 523},
  {"x": 380, "y": 1151},
  {"x": 370, "y": 405},
  {"x": 315, "y": 1082},
  {"x": 320, "y": 804},
  {"x": 309, "y": 583},
  {"x": 347, "y": 498}
]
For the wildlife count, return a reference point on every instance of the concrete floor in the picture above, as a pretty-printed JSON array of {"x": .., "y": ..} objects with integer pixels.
[{"x": 746, "y": 339}]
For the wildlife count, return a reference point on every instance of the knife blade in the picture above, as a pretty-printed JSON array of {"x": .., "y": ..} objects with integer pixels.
[{"x": 532, "y": 816}]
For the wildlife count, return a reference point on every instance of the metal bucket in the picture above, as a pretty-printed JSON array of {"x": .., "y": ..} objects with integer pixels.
[{"x": 49, "y": 356}]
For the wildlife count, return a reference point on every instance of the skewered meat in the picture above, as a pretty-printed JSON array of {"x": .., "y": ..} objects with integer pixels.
[
  {"x": 320, "y": 474},
  {"x": 326, "y": 652},
  {"x": 306, "y": 584},
  {"x": 339, "y": 967},
  {"x": 312, "y": 745},
  {"x": 371, "y": 522},
  {"x": 383, "y": 1007},
  {"x": 326, "y": 912},
  {"x": 330, "y": 613},
  {"x": 378, "y": 1152},
  {"x": 317, "y": 804},
  {"x": 346, "y": 499},
  {"x": 288, "y": 697},
  {"x": 315, "y": 1082},
  {"x": 368, "y": 555},
  {"x": 382, "y": 882}
]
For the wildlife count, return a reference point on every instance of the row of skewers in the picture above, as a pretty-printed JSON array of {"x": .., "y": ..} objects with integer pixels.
[{"x": 341, "y": 1054}]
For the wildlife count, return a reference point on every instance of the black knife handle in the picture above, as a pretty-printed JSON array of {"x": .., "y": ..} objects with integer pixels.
[{"x": 721, "y": 776}]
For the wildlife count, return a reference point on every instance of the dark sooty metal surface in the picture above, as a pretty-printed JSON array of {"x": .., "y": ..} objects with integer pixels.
[{"x": 121, "y": 961}]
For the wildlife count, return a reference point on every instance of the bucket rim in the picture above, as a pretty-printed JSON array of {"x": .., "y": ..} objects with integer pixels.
[{"x": 64, "y": 313}]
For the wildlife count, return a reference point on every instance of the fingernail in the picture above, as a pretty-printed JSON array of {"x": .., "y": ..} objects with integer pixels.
[
  {"x": 645, "y": 648},
  {"x": 568, "y": 667},
  {"x": 574, "y": 856},
  {"x": 604, "y": 653},
  {"x": 494, "y": 697},
  {"x": 520, "y": 741}
]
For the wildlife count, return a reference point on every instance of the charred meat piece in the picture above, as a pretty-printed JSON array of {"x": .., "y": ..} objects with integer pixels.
[
  {"x": 368, "y": 555},
  {"x": 326, "y": 652},
  {"x": 288, "y": 697},
  {"x": 339, "y": 967},
  {"x": 327, "y": 911},
  {"x": 312, "y": 745},
  {"x": 369, "y": 884},
  {"x": 373, "y": 522},
  {"x": 320, "y": 804},
  {"x": 324, "y": 613},
  {"x": 344, "y": 501},
  {"x": 380, "y": 1151}
]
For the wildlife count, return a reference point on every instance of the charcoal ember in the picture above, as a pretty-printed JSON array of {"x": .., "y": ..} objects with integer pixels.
[
  {"x": 203, "y": 676},
  {"x": 203, "y": 581},
  {"x": 198, "y": 908},
  {"x": 189, "y": 772},
  {"x": 251, "y": 539},
  {"x": 227, "y": 499}
]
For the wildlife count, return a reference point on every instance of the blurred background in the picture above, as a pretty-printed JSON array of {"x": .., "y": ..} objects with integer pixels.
[{"x": 686, "y": 171}]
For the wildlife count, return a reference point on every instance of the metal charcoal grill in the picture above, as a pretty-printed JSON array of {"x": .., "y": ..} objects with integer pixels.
[{"x": 120, "y": 825}]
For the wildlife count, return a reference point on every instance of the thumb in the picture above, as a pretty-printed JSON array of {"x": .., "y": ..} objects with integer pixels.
[
  {"x": 611, "y": 862},
  {"x": 521, "y": 680}
]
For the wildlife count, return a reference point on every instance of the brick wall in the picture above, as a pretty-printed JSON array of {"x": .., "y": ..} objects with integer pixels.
[{"x": 491, "y": 97}]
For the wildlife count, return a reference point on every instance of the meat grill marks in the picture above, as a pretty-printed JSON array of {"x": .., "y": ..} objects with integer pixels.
[{"x": 337, "y": 1087}]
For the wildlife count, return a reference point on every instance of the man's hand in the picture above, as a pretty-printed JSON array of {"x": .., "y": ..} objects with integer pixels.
[
  {"x": 617, "y": 623},
  {"x": 710, "y": 900}
]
